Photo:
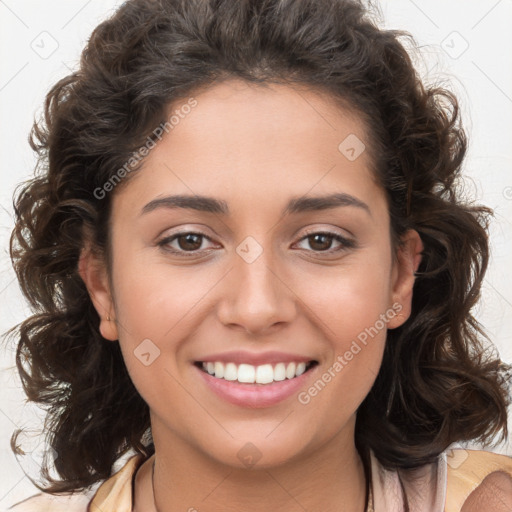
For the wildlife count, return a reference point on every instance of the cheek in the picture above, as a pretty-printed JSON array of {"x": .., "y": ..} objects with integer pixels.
[
  {"x": 157, "y": 307},
  {"x": 351, "y": 298},
  {"x": 353, "y": 308},
  {"x": 153, "y": 300}
]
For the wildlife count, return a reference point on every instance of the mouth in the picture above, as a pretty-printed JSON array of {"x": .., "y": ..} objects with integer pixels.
[
  {"x": 261, "y": 386},
  {"x": 261, "y": 375}
]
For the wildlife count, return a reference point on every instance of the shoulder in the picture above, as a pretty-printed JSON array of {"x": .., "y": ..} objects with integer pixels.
[
  {"x": 44, "y": 502},
  {"x": 478, "y": 480},
  {"x": 111, "y": 495}
]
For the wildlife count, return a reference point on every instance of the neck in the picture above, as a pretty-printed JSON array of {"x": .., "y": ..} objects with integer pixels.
[{"x": 331, "y": 478}]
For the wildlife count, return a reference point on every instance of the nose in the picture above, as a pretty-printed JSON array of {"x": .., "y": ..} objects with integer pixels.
[{"x": 256, "y": 296}]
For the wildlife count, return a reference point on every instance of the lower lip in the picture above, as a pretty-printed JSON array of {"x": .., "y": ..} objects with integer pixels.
[{"x": 255, "y": 395}]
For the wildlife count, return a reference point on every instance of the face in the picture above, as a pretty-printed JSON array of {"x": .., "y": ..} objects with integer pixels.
[{"x": 265, "y": 278}]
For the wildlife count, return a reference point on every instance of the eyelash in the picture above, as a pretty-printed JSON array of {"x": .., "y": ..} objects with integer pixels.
[{"x": 345, "y": 242}]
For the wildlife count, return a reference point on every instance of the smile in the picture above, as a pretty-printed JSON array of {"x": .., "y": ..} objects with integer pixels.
[
  {"x": 250, "y": 374},
  {"x": 264, "y": 388}
]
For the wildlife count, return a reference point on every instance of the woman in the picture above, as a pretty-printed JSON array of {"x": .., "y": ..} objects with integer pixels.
[{"x": 252, "y": 267}]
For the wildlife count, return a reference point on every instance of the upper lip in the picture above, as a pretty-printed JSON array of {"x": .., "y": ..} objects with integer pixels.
[{"x": 255, "y": 358}]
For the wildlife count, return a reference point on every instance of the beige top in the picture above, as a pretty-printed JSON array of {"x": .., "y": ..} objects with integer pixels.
[{"x": 440, "y": 487}]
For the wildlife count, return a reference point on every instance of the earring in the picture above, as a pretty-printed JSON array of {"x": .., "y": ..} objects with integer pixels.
[{"x": 108, "y": 318}]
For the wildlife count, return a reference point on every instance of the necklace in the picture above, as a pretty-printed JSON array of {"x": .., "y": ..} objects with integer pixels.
[{"x": 369, "y": 507}]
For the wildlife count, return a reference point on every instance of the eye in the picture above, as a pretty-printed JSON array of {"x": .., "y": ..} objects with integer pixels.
[
  {"x": 187, "y": 242},
  {"x": 190, "y": 243},
  {"x": 321, "y": 241}
]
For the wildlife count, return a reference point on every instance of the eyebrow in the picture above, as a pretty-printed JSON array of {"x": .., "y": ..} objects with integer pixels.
[{"x": 295, "y": 204}]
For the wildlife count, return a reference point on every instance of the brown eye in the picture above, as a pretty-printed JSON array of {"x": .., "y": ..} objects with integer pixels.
[
  {"x": 189, "y": 242},
  {"x": 322, "y": 242},
  {"x": 185, "y": 243}
]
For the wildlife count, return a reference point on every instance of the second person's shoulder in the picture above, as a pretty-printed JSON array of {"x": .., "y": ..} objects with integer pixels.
[{"x": 478, "y": 480}]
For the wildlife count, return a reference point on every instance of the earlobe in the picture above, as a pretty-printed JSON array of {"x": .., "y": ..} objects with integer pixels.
[
  {"x": 409, "y": 256},
  {"x": 94, "y": 274}
]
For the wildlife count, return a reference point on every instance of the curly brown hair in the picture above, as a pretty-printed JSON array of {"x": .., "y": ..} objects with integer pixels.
[{"x": 438, "y": 383}]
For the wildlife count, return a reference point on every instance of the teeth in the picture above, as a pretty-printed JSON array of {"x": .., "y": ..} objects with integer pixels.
[
  {"x": 230, "y": 372},
  {"x": 247, "y": 373},
  {"x": 290, "y": 370},
  {"x": 264, "y": 374},
  {"x": 301, "y": 368},
  {"x": 218, "y": 370},
  {"x": 280, "y": 371}
]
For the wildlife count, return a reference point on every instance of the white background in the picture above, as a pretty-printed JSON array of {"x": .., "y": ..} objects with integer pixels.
[{"x": 465, "y": 42}]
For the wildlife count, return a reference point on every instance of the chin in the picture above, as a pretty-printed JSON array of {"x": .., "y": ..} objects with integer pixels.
[{"x": 259, "y": 452}]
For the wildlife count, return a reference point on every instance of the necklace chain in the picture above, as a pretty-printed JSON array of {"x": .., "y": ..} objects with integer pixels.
[
  {"x": 369, "y": 507},
  {"x": 153, "y": 485}
]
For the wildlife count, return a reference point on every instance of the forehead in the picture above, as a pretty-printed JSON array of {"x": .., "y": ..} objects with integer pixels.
[
  {"x": 246, "y": 140},
  {"x": 235, "y": 109}
]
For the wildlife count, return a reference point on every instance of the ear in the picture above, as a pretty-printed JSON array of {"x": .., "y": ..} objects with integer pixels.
[
  {"x": 93, "y": 272},
  {"x": 403, "y": 275}
]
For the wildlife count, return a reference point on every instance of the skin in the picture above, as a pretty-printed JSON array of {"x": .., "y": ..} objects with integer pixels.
[
  {"x": 254, "y": 148},
  {"x": 494, "y": 493}
]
